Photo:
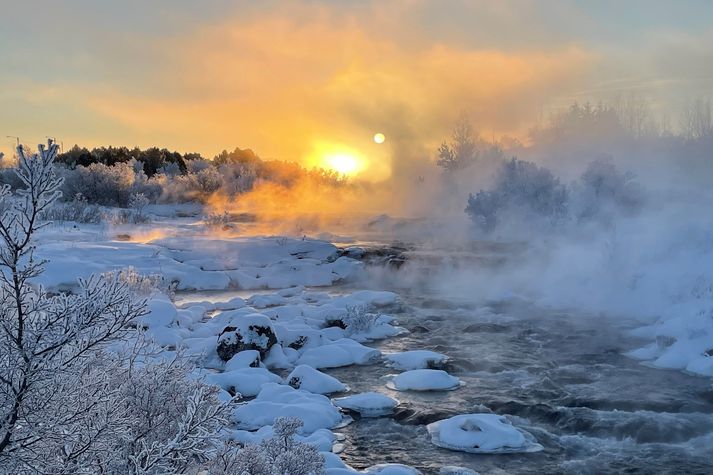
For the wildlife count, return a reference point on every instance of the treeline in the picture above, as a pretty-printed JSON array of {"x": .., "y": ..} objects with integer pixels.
[
  {"x": 118, "y": 176},
  {"x": 153, "y": 159}
]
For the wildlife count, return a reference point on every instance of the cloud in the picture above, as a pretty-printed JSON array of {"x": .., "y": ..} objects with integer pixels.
[{"x": 280, "y": 83}]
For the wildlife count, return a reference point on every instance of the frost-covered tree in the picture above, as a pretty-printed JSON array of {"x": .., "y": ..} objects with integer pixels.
[
  {"x": 44, "y": 339},
  {"x": 67, "y": 404},
  {"x": 462, "y": 151},
  {"x": 277, "y": 455},
  {"x": 521, "y": 189},
  {"x": 603, "y": 188}
]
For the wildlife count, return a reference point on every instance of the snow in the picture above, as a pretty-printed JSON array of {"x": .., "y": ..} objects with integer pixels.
[
  {"x": 369, "y": 404},
  {"x": 342, "y": 352},
  {"x": 246, "y": 381},
  {"x": 416, "y": 359},
  {"x": 196, "y": 262},
  {"x": 481, "y": 434},
  {"x": 243, "y": 359},
  {"x": 309, "y": 379},
  {"x": 424, "y": 380},
  {"x": 276, "y": 400}
]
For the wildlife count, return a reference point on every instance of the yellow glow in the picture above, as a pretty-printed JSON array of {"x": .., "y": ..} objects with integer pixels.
[
  {"x": 342, "y": 163},
  {"x": 337, "y": 157},
  {"x": 379, "y": 138}
]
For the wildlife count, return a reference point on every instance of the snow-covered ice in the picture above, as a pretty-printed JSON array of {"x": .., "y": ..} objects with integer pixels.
[
  {"x": 369, "y": 404},
  {"x": 481, "y": 434},
  {"x": 416, "y": 359},
  {"x": 424, "y": 380},
  {"x": 342, "y": 352}
]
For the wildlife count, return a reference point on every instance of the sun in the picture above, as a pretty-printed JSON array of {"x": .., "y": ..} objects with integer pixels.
[
  {"x": 342, "y": 163},
  {"x": 379, "y": 138}
]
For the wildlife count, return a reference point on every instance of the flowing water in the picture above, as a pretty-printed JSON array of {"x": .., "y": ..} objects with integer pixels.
[{"x": 562, "y": 376}]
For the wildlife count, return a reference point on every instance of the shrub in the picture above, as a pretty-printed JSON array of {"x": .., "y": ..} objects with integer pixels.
[{"x": 522, "y": 189}]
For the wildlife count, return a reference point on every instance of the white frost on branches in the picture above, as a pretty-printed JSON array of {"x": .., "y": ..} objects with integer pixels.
[{"x": 67, "y": 405}]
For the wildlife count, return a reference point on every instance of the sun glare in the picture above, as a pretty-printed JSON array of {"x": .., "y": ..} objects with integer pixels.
[{"x": 342, "y": 163}]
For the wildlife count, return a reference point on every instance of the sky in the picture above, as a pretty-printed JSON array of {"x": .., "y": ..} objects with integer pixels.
[{"x": 294, "y": 80}]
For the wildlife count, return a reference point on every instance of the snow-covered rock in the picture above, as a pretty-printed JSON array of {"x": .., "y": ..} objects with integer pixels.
[
  {"x": 243, "y": 359},
  {"x": 309, "y": 379},
  {"x": 246, "y": 332},
  {"x": 369, "y": 404},
  {"x": 246, "y": 381},
  {"x": 424, "y": 380},
  {"x": 275, "y": 400},
  {"x": 342, "y": 352},
  {"x": 481, "y": 433},
  {"x": 416, "y": 359}
]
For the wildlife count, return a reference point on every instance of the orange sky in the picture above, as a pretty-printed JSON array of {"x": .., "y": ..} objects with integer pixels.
[{"x": 289, "y": 79}]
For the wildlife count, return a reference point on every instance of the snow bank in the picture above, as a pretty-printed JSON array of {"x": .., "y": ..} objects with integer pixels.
[
  {"x": 424, "y": 380},
  {"x": 196, "y": 262},
  {"x": 481, "y": 434}
]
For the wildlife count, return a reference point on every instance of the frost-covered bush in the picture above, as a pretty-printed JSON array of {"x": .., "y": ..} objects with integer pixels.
[
  {"x": 602, "y": 188},
  {"x": 78, "y": 210},
  {"x": 109, "y": 185},
  {"x": 277, "y": 455},
  {"x": 237, "y": 178},
  {"x": 217, "y": 220},
  {"x": 358, "y": 320},
  {"x": 521, "y": 189},
  {"x": 141, "y": 284}
]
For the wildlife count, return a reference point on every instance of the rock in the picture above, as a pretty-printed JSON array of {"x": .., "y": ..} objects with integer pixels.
[{"x": 252, "y": 332}]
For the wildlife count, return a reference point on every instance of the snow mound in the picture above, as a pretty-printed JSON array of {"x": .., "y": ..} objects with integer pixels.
[
  {"x": 416, "y": 359},
  {"x": 481, "y": 434},
  {"x": 246, "y": 381},
  {"x": 275, "y": 400},
  {"x": 309, "y": 379},
  {"x": 243, "y": 359},
  {"x": 424, "y": 380},
  {"x": 342, "y": 352},
  {"x": 368, "y": 404}
]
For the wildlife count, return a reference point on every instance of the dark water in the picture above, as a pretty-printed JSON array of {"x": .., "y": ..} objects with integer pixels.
[{"x": 563, "y": 377}]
